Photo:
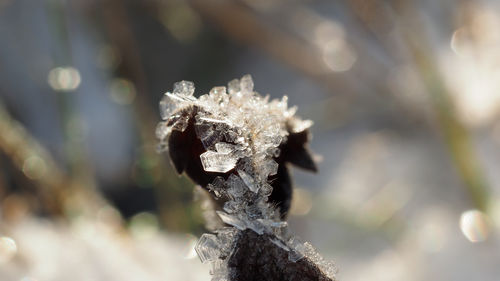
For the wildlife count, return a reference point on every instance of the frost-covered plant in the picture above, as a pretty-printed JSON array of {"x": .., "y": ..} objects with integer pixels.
[{"x": 235, "y": 144}]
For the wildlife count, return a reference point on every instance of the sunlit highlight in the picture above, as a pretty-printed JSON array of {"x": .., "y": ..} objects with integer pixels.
[
  {"x": 459, "y": 42},
  {"x": 474, "y": 225},
  {"x": 190, "y": 252},
  {"x": 64, "y": 79},
  {"x": 338, "y": 55},
  {"x": 8, "y": 249},
  {"x": 472, "y": 71}
]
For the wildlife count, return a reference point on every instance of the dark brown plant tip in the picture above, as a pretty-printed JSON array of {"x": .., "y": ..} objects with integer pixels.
[
  {"x": 237, "y": 146},
  {"x": 185, "y": 148}
]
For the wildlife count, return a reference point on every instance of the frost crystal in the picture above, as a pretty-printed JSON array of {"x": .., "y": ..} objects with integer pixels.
[
  {"x": 248, "y": 181},
  {"x": 217, "y": 162},
  {"x": 182, "y": 95},
  {"x": 184, "y": 88},
  {"x": 239, "y": 134},
  {"x": 162, "y": 130},
  {"x": 207, "y": 248},
  {"x": 232, "y": 220}
]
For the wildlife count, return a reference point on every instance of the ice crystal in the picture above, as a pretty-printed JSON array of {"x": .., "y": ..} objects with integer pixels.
[
  {"x": 249, "y": 181},
  {"x": 217, "y": 162},
  {"x": 241, "y": 133},
  {"x": 207, "y": 248},
  {"x": 184, "y": 88}
]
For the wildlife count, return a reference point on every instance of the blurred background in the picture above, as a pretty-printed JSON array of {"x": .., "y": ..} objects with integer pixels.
[{"x": 405, "y": 96}]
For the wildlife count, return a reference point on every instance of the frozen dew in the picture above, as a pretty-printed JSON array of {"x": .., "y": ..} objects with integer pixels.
[
  {"x": 184, "y": 88},
  {"x": 249, "y": 181},
  {"x": 225, "y": 237},
  {"x": 208, "y": 137},
  {"x": 330, "y": 269},
  {"x": 8, "y": 249},
  {"x": 297, "y": 245},
  {"x": 64, "y": 79},
  {"x": 235, "y": 187},
  {"x": 219, "y": 94},
  {"x": 181, "y": 123},
  {"x": 266, "y": 189},
  {"x": 233, "y": 86},
  {"x": 279, "y": 243},
  {"x": 232, "y": 207},
  {"x": 474, "y": 225},
  {"x": 298, "y": 126},
  {"x": 223, "y": 147},
  {"x": 190, "y": 247},
  {"x": 241, "y": 133},
  {"x": 294, "y": 256},
  {"x": 218, "y": 187},
  {"x": 207, "y": 248},
  {"x": 217, "y": 162},
  {"x": 246, "y": 84},
  {"x": 167, "y": 106},
  {"x": 219, "y": 270},
  {"x": 269, "y": 168},
  {"x": 232, "y": 220},
  {"x": 182, "y": 96},
  {"x": 256, "y": 226}
]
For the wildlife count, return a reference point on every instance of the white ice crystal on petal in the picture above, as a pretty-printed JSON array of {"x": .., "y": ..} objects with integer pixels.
[
  {"x": 213, "y": 161},
  {"x": 184, "y": 88},
  {"x": 233, "y": 220},
  {"x": 298, "y": 125},
  {"x": 246, "y": 84},
  {"x": 162, "y": 130},
  {"x": 167, "y": 106},
  {"x": 280, "y": 244},
  {"x": 223, "y": 147},
  {"x": 207, "y": 248},
  {"x": 249, "y": 181},
  {"x": 182, "y": 94}
]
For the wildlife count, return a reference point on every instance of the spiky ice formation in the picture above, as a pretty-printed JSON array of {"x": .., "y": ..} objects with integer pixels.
[{"x": 241, "y": 134}]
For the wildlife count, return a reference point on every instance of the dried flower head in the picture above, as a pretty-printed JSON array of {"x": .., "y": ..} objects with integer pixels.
[
  {"x": 234, "y": 135},
  {"x": 236, "y": 144}
]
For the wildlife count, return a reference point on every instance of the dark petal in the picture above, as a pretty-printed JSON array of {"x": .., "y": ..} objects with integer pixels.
[
  {"x": 178, "y": 150},
  {"x": 282, "y": 190},
  {"x": 302, "y": 158},
  {"x": 185, "y": 149},
  {"x": 295, "y": 151}
]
